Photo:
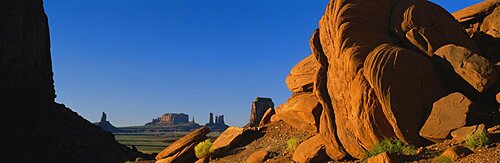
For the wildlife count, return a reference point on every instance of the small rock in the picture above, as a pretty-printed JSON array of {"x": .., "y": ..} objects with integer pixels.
[
  {"x": 460, "y": 134},
  {"x": 448, "y": 113},
  {"x": 257, "y": 157},
  {"x": 456, "y": 152},
  {"x": 494, "y": 130},
  {"x": 420, "y": 150}
]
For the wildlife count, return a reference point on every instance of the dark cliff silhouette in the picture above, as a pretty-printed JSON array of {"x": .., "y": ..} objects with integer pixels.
[{"x": 38, "y": 129}]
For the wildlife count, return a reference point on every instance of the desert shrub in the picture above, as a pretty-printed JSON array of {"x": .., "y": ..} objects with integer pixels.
[
  {"x": 273, "y": 154},
  {"x": 202, "y": 150},
  {"x": 292, "y": 143},
  {"x": 478, "y": 139},
  {"x": 391, "y": 146},
  {"x": 442, "y": 159}
]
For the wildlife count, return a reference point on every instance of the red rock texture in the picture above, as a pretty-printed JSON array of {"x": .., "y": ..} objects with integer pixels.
[
  {"x": 257, "y": 157},
  {"x": 182, "y": 150},
  {"x": 448, "y": 113},
  {"x": 311, "y": 150},
  {"x": 379, "y": 66}
]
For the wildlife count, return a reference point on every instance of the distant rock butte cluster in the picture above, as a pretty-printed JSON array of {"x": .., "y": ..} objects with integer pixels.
[
  {"x": 218, "y": 125},
  {"x": 378, "y": 69},
  {"x": 168, "y": 122}
]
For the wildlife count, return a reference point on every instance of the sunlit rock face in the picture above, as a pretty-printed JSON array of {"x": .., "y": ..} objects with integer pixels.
[
  {"x": 170, "y": 119},
  {"x": 375, "y": 71},
  {"x": 39, "y": 129}
]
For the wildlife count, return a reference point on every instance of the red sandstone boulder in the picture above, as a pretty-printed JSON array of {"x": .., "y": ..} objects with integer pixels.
[
  {"x": 301, "y": 111},
  {"x": 183, "y": 149},
  {"x": 392, "y": 72},
  {"x": 266, "y": 118},
  {"x": 448, "y": 113},
  {"x": 257, "y": 157},
  {"x": 473, "y": 16},
  {"x": 231, "y": 138},
  {"x": 482, "y": 23},
  {"x": 301, "y": 77},
  {"x": 476, "y": 70},
  {"x": 428, "y": 26},
  {"x": 185, "y": 154},
  {"x": 311, "y": 150},
  {"x": 460, "y": 134}
]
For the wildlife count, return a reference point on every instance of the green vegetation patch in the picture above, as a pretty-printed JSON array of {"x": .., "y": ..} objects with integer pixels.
[
  {"x": 479, "y": 139},
  {"x": 202, "y": 150},
  {"x": 391, "y": 146},
  {"x": 292, "y": 143}
]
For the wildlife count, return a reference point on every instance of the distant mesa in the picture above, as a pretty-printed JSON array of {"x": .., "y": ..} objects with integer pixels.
[
  {"x": 170, "y": 119},
  {"x": 106, "y": 125},
  {"x": 176, "y": 122},
  {"x": 219, "y": 124}
]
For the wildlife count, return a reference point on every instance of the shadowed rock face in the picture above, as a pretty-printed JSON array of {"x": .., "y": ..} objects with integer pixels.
[
  {"x": 376, "y": 72},
  {"x": 39, "y": 129},
  {"x": 259, "y": 106}
]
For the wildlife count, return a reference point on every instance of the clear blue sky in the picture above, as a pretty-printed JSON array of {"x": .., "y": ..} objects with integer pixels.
[{"x": 138, "y": 59}]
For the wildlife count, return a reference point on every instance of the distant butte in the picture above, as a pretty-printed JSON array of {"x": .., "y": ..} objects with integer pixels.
[
  {"x": 219, "y": 124},
  {"x": 106, "y": 125}
]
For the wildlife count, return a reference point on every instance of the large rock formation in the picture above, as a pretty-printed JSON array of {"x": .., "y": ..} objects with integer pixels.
[
  {"x": 106, "y": 125},
  {"x": 170, "y": 119},
  {"x": 53, "y": 133},
  {"x": 259, "y": 106},
  {"x": 219, "y": 124},
  {"x": 377, "y": 66},
  {"x": 481, "y": 23}
]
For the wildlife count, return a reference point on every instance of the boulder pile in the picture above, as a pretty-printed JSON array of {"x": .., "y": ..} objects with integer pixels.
[
  {"x": 407, "y": 70},
  {"x": 404, "y": 69}
]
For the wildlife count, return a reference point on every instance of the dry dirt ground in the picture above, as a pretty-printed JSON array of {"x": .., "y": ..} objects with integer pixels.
[
  {"x": 276, "y": 135},
  {"x": 274, "y": 140}
]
